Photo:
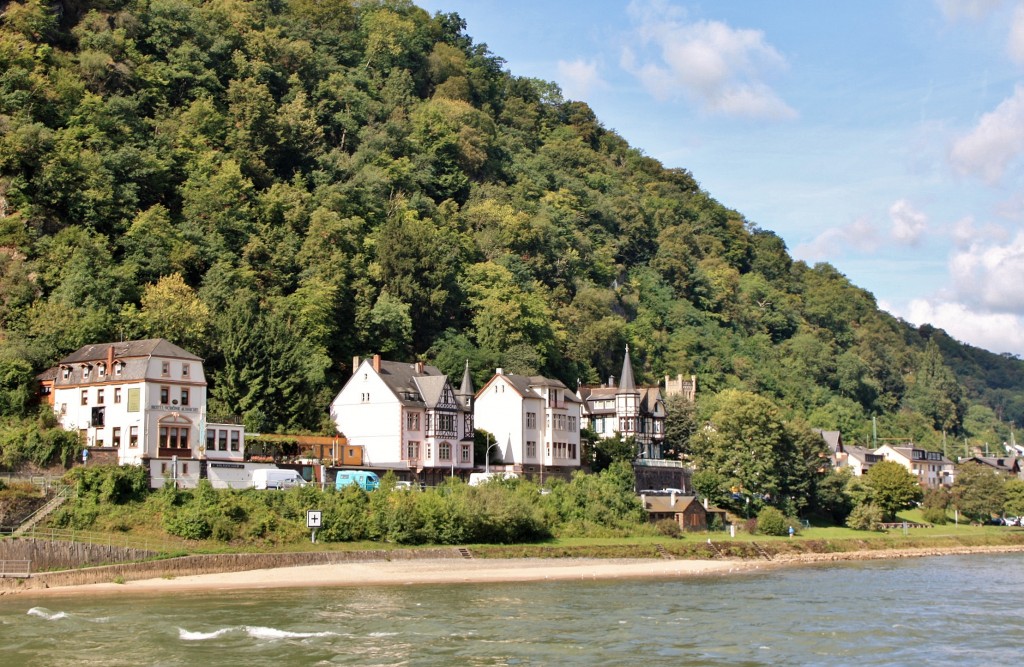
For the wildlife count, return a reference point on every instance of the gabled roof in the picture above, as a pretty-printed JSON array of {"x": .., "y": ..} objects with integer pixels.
[
  {"x": 431, "y": 388},
  {"x": 405, "y": 380},
  {"x": 527, "y": 387},
  {"x": 833, "y": 439}
]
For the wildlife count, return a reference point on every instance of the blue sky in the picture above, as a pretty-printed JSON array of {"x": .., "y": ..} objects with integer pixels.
[{"x": 883, "y": 137}]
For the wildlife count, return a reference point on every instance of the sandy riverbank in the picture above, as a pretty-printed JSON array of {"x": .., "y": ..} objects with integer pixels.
[
  {"x": 483, "y": 571},
  {"x": 411, "y": 572}
]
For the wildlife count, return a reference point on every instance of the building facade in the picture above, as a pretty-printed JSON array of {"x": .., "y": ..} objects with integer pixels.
[
  {"x": 631, "y": 411},
  {"x": 144, "y": 400},
  {"x": 932, "y": 469},
  {"x": 535, "y": 422},
  {"x": 407, "y": 417}
]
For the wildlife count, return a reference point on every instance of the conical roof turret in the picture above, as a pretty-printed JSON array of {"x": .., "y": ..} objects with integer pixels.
[{"x": 626, "y": 383}]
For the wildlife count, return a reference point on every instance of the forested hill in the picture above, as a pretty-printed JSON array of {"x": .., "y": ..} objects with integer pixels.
[{"x": 279, "y": 185}]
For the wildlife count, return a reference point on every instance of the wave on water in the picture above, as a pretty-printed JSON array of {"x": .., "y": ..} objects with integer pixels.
[
  {"x": 43, "y": 612},
  {"x": 256, "y": 632}
]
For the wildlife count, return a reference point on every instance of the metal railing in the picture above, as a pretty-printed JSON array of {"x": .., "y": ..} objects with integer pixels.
[
  {"x": 15, "y": 568},
  {"x": 159, "y": 545}
]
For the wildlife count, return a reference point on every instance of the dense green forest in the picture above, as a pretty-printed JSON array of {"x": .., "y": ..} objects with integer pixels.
[{"x": 278, "y": 185}]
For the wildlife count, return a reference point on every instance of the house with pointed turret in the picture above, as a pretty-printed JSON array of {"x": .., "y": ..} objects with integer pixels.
[
  {"x": 624, "y": 408},
  {"x": 408, "y": 418}
]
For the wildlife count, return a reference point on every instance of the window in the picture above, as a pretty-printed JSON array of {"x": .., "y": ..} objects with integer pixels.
[
  {"x": 115, "y": 439},
  {"x": 98, "y": 417},
  {"x": 117, "y": 394},
  {"x": 101, "y": 370},
  {"x": 412, "y": 450},
  {"x": 572, "y": 424},
  {"x": 165, "y": 368},
  {"x": 211, "y": 439},
  {"x": 235, "y": 440},
  {"x": 67, "y": 372},
  {"x": 185, "y": 370},
  {"x": 429, "y": 453},
  {"x": 222, "y": 441},
  {"x": 364, "y": 397},
  {"x": 117, "y": 368},
  {"x": 165, "y": 395},
  {"x": 444, "y": 451},
  {"x": 412, "y": 421},
  {"x": 86, "y": 370},
  {"x": 531, "y": 420},
  {"x": 184, "y": 468},
  {"x": 184, "y": 396},
  {"x": 531, "y": 449},
  {"x": 133, "y": 436},
  {"x": 99, "y": 396},
  {"x": 446, "y": 423},
  {"x": 85, "y": 397},
  {"x": 465, "y": 452}
]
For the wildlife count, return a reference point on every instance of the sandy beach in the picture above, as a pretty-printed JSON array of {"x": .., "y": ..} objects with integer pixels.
[
  {"x": 449, "y": 571},
  {"x": 403, "y": 573}
]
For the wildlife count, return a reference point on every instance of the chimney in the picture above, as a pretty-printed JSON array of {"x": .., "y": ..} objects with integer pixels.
[
  {"x": 376, "y": 363},
  {"x": 499, "y": 371},
  {"x": 110, "y": 359},
  {"x": 673, "y": 499},
  {"x": 419, "y": 368},
  {"x": 355, "y": 363},
  {"x": 611, "y": 380}
]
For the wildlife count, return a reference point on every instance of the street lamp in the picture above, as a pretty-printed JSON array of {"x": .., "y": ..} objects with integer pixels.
[{"x": 487, "y": 454}]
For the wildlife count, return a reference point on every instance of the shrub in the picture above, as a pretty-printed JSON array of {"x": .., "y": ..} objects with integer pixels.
[
  {"x": 865, "y": 516},
  {"x": 668, "y": 528},
  {"x": 771, "y": 521},
  {"x": 936, "y": 515}
]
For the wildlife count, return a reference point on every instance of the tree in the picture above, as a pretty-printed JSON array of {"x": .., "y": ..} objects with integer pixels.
[
  {"x": 680, "y": 425},
  {"x": 892, "y": 488},
  {"x": 615, "y": 449},
  {"x": 979, "y": 491},
  {"x": 1014, "y": 494},
  {"x": 172, "y": 310}
]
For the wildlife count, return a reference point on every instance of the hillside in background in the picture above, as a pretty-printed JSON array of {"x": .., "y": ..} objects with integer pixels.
[{"x": 280, "y": 185}]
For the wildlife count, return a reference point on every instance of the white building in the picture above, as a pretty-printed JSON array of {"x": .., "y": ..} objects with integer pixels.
[
  {"x": 535, "y": 422},
  {"x": 407, "y": 417},
  {"x": 146, "y": 401},
  {"x": 631, "y": 411},
  {"x": 932, "y": 469}
]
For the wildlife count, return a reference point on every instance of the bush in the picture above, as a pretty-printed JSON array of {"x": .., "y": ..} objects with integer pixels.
[
  {"x": 936, "y": 515},
  {"x": 771, "y": 521},
  {"x": 668, "y": 528},
  {"x": 866, "y": 516}
]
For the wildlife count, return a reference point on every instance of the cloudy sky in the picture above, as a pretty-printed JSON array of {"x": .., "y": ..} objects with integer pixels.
[{"x": 885, "y": 138}]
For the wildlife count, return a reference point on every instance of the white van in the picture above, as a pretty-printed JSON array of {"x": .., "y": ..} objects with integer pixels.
[
  {"x": 477, "y": 478},
  {"x": 275, "y": 478}
]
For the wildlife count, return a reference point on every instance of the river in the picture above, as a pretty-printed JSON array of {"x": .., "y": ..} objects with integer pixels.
[{"x": 951, "y": 610}]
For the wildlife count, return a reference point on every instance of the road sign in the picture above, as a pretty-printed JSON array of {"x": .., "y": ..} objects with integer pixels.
[{"x": 313, "y": 518}]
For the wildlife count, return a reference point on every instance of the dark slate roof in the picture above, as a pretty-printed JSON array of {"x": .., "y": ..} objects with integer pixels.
[
  {"x": 129, "y": 349},
  {"x": 626, "y": 383},
  {"x": 414, "y": 387},
  {"x": 467, "y": 382},
  {"x": 833, "y": 439}
]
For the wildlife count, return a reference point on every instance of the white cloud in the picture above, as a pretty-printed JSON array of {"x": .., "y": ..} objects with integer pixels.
[
  {"x": 965, "y": 232},
  {"x": 908, "y": 224},
  {"x": 1015, "y": 44},
  {"x": 995, "y": 142},
  {"x": 860, "y": 235},
  {"x": 954, "y": 10},
  {"x": 987, "y": 275},
  {"x": 998, "y": 332},
  {"x": 578, "y": 78},
  {"x": 718, "y": 66}
]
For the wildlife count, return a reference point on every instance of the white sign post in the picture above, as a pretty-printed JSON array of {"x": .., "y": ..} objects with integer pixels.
[{"x": 313, "y": 518}]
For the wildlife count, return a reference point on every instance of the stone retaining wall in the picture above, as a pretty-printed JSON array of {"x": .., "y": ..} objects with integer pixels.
[
  {"x": 53, "y": 555},
  {"x": 212, "y": 563}
]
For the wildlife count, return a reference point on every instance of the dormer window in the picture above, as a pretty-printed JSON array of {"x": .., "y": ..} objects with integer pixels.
[
  {"x": 101, "y": 370},
  {"x": 165, "y": 368},
  {"x": 67, "y": 372},
  {"x": 86, "y": 370},
  {"x": 184, "y": 370},
  {"x": 117, "y": 367}
]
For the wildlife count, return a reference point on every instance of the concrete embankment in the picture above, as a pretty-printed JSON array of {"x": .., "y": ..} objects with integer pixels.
[{"x": 208, "y": 564}]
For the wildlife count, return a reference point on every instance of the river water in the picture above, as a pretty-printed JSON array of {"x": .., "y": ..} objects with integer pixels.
[{"x": 952, "y": 610}]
